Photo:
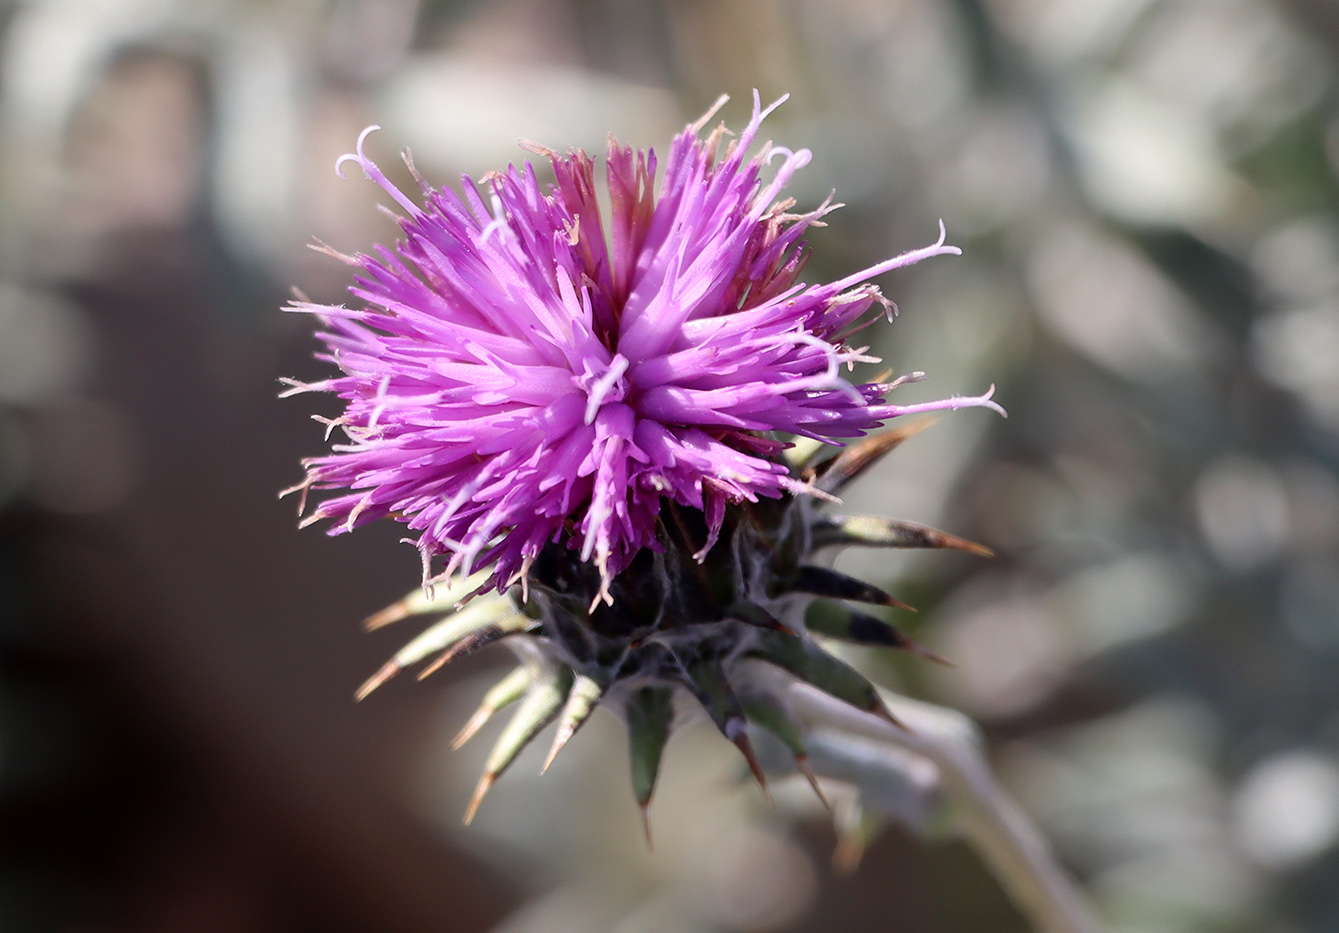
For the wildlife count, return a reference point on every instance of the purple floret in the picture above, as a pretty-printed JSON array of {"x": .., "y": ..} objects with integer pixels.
[{"x": 515, "y": 377}]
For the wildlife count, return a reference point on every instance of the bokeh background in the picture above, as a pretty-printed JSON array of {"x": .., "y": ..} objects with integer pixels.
[{"x": 1145, "y": 192}]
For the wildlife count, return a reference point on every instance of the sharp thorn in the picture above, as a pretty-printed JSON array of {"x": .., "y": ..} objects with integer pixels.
[
  {"x": 741, "y": 739},
  {"x": 439, "y": 662},
  {"x": 894, "y": 638},
  {"x": 469, "y": 643},
  {"x": 581, "y": 701},
  {"x": 649, "y": 713},
  {"x": 755, "y": 615},
  {"x": 920, "y": 651},
  {"x": 962, "y": 544},
  {"x": 502, "y": 694},
  {"x": 471, "y": 728},
  {"x": 645, "y": 807},
  {"x": 883, "y": 712},
  {"x": 802, "y": 765},
  {"x": 392, "y": 613},
  {"x": 559, "y": 740},
  {"x": 480, "y": 790},
  {"x": 857, "y": 458},
  {"x": 388, "y": 670},
  {"x": 874, "y": 531}
]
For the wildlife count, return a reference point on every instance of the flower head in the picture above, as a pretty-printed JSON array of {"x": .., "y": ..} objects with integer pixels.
[
  {"x": 600, "y": 419},
  {"x": 517, "y": 376}
]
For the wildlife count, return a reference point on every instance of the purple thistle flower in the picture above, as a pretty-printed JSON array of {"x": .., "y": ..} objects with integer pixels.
[{"x": 516, "y": 376}]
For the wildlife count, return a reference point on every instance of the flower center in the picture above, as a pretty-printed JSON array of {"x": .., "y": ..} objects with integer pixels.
[{"x": 603, "y": 383}]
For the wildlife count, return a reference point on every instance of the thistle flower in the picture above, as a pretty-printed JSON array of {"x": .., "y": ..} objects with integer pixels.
[{"x": 593, "y": 429}]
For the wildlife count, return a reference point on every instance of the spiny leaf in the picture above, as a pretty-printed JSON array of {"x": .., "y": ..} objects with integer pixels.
[
  {"x": 501, "y": 695},
  {"x": 821, "y": 581},
  {"x": 426, "y": 599},
  {"x": 474, "y": 617},
  {"x": 854, "y": 460},
  {"x": 875, "y": 531},
  {"x": 581, "y": 703},
  {"x": 650, "y": 713},
  {"x": 536, "y": 711},
  {"x": 812, "y": 664},
  {"x": 858, "y": 628},
  {"x": 706, "y": 680}
]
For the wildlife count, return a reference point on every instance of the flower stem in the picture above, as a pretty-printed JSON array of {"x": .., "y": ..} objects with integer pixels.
[{"x": 1003, "y": 835}]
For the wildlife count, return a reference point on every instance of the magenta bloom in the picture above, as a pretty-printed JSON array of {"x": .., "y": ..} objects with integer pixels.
[{"x": 517, "y": 376}]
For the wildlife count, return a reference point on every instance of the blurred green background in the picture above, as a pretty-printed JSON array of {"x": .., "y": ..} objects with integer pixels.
[{"x": 1145, "y": 192}]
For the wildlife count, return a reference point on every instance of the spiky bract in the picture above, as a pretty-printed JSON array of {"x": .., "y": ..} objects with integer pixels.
[{"x": 720, "y": 634}]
